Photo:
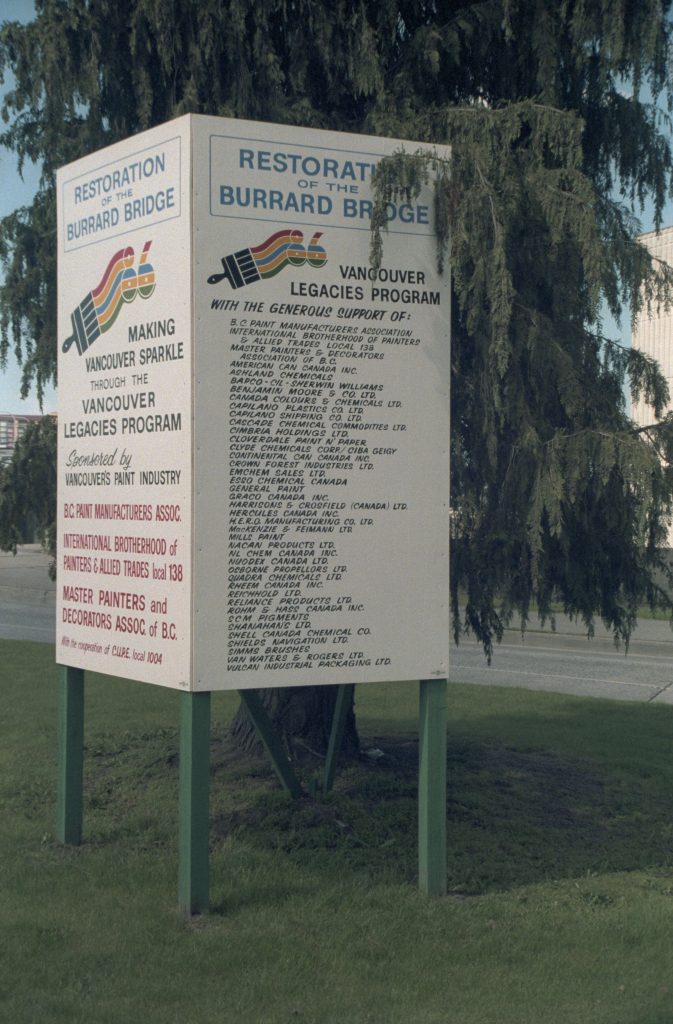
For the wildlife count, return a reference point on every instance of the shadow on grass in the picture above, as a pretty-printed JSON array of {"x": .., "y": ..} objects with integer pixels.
[
  {"x": 514, "y": 817},
  {"x": 517, "y": 813}
]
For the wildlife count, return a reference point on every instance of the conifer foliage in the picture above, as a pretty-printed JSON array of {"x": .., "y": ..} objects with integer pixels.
[
  {"x": 556, "y": 142},
  {"x": 28, "y": 490}
]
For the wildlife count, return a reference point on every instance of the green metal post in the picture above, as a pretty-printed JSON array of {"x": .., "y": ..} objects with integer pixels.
[
  {"x": 271, "y": 743},
  {"x": 70, "y": 755},
  {"x": 343, "y": 703},
  {"x": 194, "y": 800},
  {"x": 432, "y": 787}
]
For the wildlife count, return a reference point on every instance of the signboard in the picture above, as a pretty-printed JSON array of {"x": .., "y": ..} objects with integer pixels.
[
  {"x": 125, "y": 409},
  {"x": 253, "y": 425}
]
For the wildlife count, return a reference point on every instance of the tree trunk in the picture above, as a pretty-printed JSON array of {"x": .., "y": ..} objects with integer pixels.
[{"x": 302, "y": 718}]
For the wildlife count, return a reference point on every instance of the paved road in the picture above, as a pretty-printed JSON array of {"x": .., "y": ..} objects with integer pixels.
[
  {"x": 27, "y": 596},
  {"x": 566, "y": 662},
  {"x": 563, "y": 661}
]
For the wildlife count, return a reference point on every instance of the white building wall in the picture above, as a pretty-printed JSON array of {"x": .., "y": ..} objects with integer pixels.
[{"x": 653, "y": 332}]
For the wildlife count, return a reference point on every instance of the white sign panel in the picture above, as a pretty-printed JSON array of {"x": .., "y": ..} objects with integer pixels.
[
  {"x": 125, "y": 410},
  {"x": 254, "y": 434},
  {"x": 322, "y": 467}
]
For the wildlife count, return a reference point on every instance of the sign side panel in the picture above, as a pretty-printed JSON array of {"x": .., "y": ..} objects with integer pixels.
[
  {"x": 321, "y": 417},
  {"x": 125, "y": 431}
]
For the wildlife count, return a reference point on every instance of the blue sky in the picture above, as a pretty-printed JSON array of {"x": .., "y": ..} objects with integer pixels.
[{"x": 15, "y": 191}]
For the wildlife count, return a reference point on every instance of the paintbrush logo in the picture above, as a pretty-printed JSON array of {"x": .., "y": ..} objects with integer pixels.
[
  {"x": 267, "y": 259},
  {"x": 121, "y": 283}
]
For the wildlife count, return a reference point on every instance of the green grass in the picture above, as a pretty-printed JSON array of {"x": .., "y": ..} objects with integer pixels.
[
  {"x": 644, "y": 611},
  {"x": 560, "y": 866}
]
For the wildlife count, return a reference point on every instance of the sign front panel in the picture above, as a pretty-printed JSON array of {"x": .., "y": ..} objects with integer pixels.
[
  {"x": 124, "y": 430},
  {"x": 322, "y": 416}
]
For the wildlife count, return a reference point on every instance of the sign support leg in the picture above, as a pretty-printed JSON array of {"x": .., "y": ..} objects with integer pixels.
[
  {"x": 70, "y": 755},
  {"x": 271, "y": 743},
  {"x": 343, "y": 702},
  {"x": 432, "y": 787},
  {"x": 194, "y": 799}
]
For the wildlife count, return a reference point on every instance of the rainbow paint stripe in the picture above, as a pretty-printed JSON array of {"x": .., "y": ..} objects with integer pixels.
[
  {"x": 267, "y": 259},
  {"x": 120, "y": 283}
]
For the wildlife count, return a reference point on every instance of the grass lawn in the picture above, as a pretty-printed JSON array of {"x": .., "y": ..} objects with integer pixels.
[{"x": 560, "y": 867}]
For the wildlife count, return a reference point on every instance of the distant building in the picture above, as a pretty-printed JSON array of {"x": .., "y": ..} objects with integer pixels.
[
  {"x": 12, "y": 426},
  {"x": 653, "y": 333}
]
